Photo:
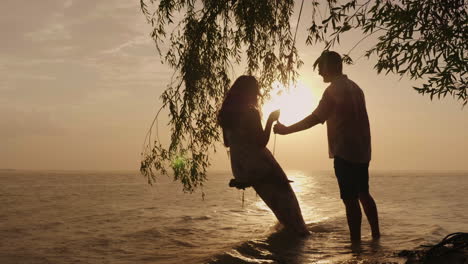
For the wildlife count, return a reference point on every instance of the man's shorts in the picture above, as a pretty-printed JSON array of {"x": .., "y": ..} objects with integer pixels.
[{"x": 353, "y": 178}]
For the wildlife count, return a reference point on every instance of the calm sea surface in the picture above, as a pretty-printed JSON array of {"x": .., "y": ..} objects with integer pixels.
[{"x": 79, "y": 217}]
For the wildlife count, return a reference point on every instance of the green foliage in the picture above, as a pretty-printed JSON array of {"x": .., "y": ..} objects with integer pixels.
[
  {"x": 203, "y": 39},
  {"x": 208, "y": 38},
  {"x": 421, "y": 39}
]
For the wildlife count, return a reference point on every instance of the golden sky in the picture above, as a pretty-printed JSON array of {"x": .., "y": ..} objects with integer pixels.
[{"x": 81, "y": 82}]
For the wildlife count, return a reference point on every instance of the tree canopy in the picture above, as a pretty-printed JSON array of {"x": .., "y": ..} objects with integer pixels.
[{"x": 202, "y": 40}]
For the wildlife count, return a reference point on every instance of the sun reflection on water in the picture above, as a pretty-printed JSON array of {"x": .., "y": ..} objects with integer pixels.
[{"x": 302, "y": 184}]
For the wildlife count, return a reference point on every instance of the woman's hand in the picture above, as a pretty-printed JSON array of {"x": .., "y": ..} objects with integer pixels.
[{"x": 274, "y": 116}]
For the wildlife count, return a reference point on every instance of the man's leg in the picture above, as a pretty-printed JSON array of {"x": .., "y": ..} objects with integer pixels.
[
  {"x": 370, "y": 209},
  {"x": 349, "y": 193},
  {"x": 354, "y": 215}
]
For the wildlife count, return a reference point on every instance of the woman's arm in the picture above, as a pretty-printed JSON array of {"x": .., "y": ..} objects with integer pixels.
[
  {"x": 262, "y": 136},
  {"x": 267, "y": 132}
]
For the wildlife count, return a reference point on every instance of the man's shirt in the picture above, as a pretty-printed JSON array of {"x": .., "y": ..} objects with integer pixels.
[{"x": 343, "y": 107}]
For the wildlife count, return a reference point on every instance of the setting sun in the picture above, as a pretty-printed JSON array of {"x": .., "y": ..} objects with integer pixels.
[{"x": 295, "y": 103}]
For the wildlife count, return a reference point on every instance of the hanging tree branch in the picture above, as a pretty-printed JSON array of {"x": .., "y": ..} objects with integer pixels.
[
  {"x": 420, "y": 39},
  {"x": 210, "y": 36},
  {"x": 202, "y": 40}
]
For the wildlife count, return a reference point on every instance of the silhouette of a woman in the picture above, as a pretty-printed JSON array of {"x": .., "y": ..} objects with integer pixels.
[{"x": 251, "y": 162}]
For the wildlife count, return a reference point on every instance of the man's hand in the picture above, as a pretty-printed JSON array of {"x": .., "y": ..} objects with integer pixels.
[{"x": 280, "y": 129}]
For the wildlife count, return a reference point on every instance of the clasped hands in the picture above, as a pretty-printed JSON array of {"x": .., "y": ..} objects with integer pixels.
[{"x": 278, "y": 128}]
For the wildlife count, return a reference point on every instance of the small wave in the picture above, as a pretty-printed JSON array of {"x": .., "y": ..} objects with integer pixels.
[
  {"x": 182, "y": 230},
  {"x": 437, "y": 230},
  {"x": 228, "y": 228},
  {"x": 152, "y": 234},
  {"x": 320, "y": 228},
  {"x": 99, "y": 243},
  {"x": 16, "y": 232},
  {"x": 237, "y": 210},
  {"x": 191, "y": 221},
  {"x": 235, "y": 257},
  {"x": 279, "y": 247},
  {"x": 194, "y": 218},
  {"x": 206, "y": 217},
  {"x": 52, "y": 224},
  {"x": 183, "y": 243}
]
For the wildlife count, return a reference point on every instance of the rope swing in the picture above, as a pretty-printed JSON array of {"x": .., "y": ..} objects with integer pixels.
[{"x": 290, "y": 60}]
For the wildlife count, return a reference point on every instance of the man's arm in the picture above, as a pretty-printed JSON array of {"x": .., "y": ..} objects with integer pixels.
[
  {"x": 319, "y": 115},
  {"x": 304, "y": 124}
]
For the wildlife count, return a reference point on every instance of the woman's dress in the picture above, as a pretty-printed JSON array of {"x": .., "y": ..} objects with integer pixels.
[{"x": 254, "y": 165}]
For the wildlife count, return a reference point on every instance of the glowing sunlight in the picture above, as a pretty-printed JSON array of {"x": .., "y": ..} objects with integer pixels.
[{"x": 295, "y": 103}]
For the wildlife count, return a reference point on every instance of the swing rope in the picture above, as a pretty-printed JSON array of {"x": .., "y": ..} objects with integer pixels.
[{"x": 294, "y": 44}]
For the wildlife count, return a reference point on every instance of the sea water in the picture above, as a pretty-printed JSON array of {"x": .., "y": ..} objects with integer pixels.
[{"x": 116, "y": 217}]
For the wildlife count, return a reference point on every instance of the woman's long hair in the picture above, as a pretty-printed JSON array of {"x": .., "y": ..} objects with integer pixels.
[{"x": 242, "y": 95}]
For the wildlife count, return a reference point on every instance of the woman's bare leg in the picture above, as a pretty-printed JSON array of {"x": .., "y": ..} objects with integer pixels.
[{"x": 281, "y": 199}]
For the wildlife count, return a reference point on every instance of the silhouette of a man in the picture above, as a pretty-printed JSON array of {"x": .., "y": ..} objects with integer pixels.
[{"x": 349, "y": 141}]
